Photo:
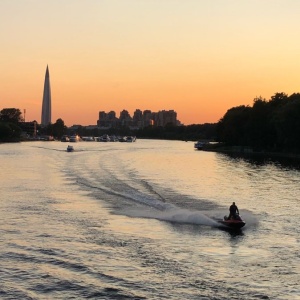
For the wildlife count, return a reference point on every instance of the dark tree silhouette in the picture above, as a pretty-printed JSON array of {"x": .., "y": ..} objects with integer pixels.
[
  {"x": 267, "y": 125},
  {"x": 12, "y": 115}
]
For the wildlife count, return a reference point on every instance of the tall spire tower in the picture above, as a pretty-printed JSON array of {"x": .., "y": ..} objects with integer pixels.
[{"x": 46, "y": 108}]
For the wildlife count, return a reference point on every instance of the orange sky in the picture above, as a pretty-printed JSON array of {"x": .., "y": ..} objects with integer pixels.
[{"x": 198, "y": 57}]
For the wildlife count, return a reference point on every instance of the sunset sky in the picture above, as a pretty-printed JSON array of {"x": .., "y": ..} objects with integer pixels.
[{"x": 198, "y": 57}]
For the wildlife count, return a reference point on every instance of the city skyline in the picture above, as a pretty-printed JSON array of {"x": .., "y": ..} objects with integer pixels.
[
  {"x": 140, "y": 119},
  {"x": 197, "y": 57}
]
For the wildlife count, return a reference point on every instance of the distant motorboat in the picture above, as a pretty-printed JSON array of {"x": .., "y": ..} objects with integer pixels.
[
  {"x": 70, "y": 148},
  {"x": 199, "y": 145},
  {"x": 131, "y": 139}
]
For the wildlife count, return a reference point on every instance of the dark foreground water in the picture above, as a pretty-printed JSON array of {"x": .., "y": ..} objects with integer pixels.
[{"x": 136, "y": 221}]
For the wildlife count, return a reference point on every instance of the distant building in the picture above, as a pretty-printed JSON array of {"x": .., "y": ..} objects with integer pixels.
[
  {"x": 163, "y": 118},
  {"x": 147, "y": 118},
  {"x": 107, "y": 119},
  {"x": 102, "y": 119},
  {"x": 28, "y": 127},
  {"x": 125, "y": 118},
  {"x": 137, "y": 119},
  {"x": 46, "y": 106}
]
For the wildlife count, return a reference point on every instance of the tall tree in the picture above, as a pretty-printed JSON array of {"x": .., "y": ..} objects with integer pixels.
[
  {"x": 59, "y": 128},
  {"x": 232, "y": 128},
  {"x": 12, "y": 115}
]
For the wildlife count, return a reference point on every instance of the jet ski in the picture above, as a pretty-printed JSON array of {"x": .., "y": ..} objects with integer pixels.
[{"x": 236, "y": 222}]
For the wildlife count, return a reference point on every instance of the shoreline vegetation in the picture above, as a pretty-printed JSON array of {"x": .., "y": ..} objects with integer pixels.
[
  {"x": 268, "y": 128},
  {"x": 249, "y": 152}
]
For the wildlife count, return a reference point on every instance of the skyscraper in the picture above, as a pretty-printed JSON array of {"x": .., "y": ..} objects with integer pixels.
[{"x": 46, "y": 108}]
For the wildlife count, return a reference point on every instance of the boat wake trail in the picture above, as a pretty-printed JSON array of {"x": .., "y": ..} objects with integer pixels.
[
  {"x": 152, "y": 208},
  {"x": 128, "y": 194},
  {"x": 174, "y": 214}
]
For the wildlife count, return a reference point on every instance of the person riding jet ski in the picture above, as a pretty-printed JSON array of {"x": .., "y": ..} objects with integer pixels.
[{"x": 233, "y": 211}]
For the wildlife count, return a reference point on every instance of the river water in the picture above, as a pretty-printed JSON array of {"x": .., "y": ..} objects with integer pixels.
[{"x": 137, "y": 221}]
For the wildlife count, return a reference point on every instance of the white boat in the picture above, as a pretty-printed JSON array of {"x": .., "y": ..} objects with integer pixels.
[
  {"x": 74, "y": 138},
  {"x": 199, "y": 145},
  {"x": 122, "y": 139},
  {"x": 130, "y": 139},
  {"x": 88, "y": 139},
  {"x": 70, "y": 148},
  {"x": 113, "y": 138},
  {"x": 103, "y": 138},
  {"x": 65, "y": 138}
]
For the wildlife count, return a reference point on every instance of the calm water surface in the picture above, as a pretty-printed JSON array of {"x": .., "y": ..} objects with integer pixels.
[{"x": 137, "y": 221}]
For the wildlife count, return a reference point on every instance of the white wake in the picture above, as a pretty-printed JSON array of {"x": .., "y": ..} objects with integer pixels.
[{"x": 172, "y": 213}]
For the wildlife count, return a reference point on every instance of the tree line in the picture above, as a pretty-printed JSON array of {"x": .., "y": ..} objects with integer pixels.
[
  {"x": 272, "y": 125},
  {"x": 12, "y": 125}
]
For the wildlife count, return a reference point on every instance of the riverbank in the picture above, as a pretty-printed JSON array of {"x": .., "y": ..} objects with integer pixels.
[{"x": 248, "y": 151}]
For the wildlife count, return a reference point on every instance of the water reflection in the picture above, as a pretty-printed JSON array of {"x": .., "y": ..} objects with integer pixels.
[
  {"x": 263, "y": 160},
  {"x": 235, "y": 234}
]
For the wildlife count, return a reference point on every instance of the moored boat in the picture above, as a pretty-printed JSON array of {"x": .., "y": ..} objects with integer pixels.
[
  {"x": 88, "y": 139},
  {"x": 65, "y": 138},
  {"x": 103, "y": 138},
  {"x": 74, "y": 138},
  {"x": 130, "y": 139},
  {"x": 199, "y": 145}
]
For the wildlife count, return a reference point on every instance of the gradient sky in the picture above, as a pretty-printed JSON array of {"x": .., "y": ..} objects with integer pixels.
[{"x": 198, "y": 57}]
